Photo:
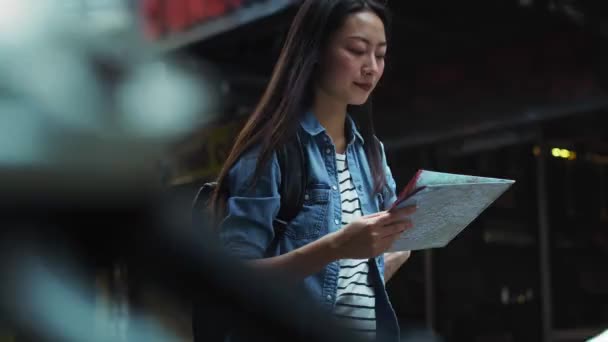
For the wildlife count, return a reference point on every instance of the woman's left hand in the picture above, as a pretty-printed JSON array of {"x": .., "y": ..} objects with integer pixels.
[{"x": 392, "y": 262}]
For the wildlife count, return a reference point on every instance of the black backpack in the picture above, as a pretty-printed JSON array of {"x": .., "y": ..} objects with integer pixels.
[
  {"x": 211, "y": 323},
  {"x": 294, "y": 177}
]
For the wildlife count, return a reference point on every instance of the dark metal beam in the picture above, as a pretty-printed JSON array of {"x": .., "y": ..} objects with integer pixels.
[
  {"x": 220, "y": 25},
  {"x": 432, "y": 131},
  {"x": 544, "y": 245}
]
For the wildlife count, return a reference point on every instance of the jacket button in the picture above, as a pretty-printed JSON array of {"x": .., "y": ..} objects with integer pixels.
[
  {"x": 334, "y": 187},
  {"x": 337, "y": 221},
  {"x": 306, "y": 197},
  {"x": 328, "y": 151},
  {"x": 328, "y": 297}
]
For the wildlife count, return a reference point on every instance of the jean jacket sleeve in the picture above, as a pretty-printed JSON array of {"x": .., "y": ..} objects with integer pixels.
[
  {"x": 390, "y": 191},
  {"x": 247, "y": 230}
]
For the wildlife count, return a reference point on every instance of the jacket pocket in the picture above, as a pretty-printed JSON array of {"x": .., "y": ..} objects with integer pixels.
[{"x": 309, "y": 221}]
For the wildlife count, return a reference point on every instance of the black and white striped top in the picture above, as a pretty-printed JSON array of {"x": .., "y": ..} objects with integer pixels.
[{"x": 355, "y": 298}]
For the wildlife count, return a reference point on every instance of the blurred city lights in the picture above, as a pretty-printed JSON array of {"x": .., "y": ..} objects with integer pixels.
[{"x": 563, "y": 153}]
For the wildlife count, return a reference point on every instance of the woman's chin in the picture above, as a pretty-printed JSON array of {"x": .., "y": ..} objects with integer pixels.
[{"x": 358, "y": 100}]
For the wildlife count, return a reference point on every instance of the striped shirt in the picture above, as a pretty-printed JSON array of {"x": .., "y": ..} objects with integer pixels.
[{"x": 355, "y": 298}]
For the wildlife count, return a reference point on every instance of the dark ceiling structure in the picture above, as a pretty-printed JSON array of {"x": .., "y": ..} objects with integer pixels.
[{"x": 454, "y": 68}]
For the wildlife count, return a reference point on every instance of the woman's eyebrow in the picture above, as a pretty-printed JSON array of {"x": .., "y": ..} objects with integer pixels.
[{"x": 367, "y": 41}]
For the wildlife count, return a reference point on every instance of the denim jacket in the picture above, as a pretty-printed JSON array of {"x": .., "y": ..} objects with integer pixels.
[{"x": 247, "y": 230}]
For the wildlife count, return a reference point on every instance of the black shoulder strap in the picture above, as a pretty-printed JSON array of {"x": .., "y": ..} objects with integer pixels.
[
  {"x": 294, "y": 177},
  {"x": 200, "y": 203}
]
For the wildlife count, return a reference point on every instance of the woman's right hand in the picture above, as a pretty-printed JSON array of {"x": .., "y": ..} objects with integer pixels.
[{"x": 371, "y": 235}]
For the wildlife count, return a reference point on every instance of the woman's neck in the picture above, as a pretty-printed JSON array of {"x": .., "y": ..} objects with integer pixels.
[{"x": 332, "y": 115}]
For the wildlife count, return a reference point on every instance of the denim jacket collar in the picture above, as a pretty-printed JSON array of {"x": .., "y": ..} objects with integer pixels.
[{"x": 312, "y": 126}]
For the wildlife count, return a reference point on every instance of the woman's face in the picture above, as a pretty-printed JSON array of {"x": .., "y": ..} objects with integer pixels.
[{"x": 353, "y": 61}]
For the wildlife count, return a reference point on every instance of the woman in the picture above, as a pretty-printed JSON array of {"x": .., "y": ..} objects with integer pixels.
[{"x": 329, "y": 65}]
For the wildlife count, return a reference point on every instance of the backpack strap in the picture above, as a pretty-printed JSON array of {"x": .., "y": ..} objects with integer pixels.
[
  {"x": 200, "y": 202},
  {"x": 294, "y": 177}
]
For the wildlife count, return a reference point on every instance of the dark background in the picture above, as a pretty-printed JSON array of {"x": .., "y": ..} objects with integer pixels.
[
  {"x": 485, "y": 88},
  {"x": 491, "y": 88}
]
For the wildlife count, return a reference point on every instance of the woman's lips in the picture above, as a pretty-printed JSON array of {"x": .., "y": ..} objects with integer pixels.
[{"x": 364, "y": 86}]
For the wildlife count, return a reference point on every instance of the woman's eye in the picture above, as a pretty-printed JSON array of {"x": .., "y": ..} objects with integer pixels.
[
  {"x": 380, "y": 56},
  {"x": 357, "y": 52}
]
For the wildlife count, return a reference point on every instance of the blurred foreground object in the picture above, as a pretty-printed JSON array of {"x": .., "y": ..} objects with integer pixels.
[
  {"x": 84, "y": 118},
  {"x": 75, "y": 100}
]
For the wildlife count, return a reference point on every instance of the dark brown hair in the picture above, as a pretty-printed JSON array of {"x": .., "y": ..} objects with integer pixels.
[{"x": 290, "y": 91}]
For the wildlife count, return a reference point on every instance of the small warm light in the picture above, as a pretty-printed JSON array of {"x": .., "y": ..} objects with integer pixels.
[
  {"x": 563, "y": 153},
  {"x": 555, "y": 152},
  {"x": 536, "y": 151}
]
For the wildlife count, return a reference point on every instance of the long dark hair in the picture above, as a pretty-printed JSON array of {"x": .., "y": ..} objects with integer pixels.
[{"x": 290, "y": 91}]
